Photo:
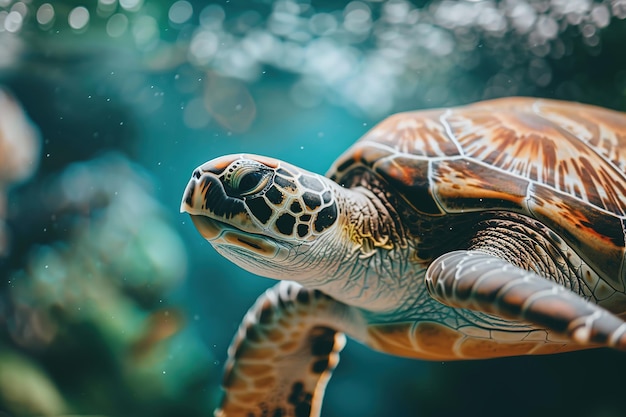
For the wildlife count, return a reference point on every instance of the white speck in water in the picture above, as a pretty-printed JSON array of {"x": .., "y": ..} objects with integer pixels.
[
  {"x": 159, "y": 163},
  {"x": 46, "y": 266},
  {"x": 301, "y": 147},
  {"x": 238, "y": 107},
  {"x": 121, "y": 123},
  {"x": 163, "y": 372},
  {"x": 177, "y": 76},
  {"x": 47, "y": 155}
]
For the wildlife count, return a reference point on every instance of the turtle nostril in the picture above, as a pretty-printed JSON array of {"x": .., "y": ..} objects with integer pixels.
[{"x": 197, "y": 173}]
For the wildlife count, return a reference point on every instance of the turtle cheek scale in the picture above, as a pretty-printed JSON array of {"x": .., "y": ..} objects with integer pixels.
[{"x": 296, "y": 206}]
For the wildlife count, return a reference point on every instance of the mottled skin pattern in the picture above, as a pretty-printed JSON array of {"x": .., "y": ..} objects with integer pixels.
[{"x": 489, "y": 230}]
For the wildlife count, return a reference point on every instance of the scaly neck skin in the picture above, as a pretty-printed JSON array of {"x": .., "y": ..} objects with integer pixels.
[{"x": 367, "y": 260}]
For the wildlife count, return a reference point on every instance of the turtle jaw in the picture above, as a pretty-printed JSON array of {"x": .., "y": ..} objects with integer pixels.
[{"x": 231, "y": 239}]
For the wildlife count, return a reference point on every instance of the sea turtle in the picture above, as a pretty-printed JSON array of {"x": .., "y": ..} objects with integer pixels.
[{"x": 493, "y": 229}]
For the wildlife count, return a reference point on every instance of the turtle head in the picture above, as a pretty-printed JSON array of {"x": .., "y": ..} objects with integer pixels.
[{"x": 261, "y": 213}]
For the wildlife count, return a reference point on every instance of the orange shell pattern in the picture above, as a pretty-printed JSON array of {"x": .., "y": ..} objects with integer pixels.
[{"x": 562, "y": 163}]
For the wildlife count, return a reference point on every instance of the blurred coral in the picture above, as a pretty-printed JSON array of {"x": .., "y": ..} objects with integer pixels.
[
  {"x": 19, "y": 153},
  {"x": 92, "y": 310},
  {"x": 26, "y": 389}
]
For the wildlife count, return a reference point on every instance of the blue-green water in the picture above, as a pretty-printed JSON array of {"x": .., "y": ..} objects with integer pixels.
[{"x": 111, "y": 303}]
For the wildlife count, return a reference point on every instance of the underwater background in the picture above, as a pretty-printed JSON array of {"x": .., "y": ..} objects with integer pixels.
[{"x": 111, "y": 304}]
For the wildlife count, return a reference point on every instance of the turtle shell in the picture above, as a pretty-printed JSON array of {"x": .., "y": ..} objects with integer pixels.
[{"x": 561, "y": 163}]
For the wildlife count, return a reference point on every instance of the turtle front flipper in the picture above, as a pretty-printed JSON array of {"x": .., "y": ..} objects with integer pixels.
[
  {"x": 283, "y": 354},
  {"x": 478, "y": 281}
]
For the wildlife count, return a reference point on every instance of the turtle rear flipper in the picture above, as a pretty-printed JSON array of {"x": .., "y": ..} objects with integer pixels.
[
  {"x": 283, "y": 354},
  {"x": 478, "y": 281}
]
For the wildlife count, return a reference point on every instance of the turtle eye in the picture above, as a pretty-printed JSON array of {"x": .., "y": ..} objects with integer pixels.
[{"x": 249, "y": 180}]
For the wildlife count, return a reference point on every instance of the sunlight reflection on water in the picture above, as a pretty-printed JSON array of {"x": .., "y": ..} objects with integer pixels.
[{"x": 335, "y": 49}]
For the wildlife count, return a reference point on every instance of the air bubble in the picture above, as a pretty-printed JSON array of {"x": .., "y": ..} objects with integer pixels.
[
  {"x": 78, "y": 18},
  {"x": 117, "y": 25},
  {"x": 131, "y": 5},
  {"x": 180, "y": 12},
  {"x": 13, "y": 22},
  {"x": 45, "y": 15}
]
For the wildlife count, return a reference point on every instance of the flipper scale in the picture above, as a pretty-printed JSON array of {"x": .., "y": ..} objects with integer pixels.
[{"x": 283, "y": 354}]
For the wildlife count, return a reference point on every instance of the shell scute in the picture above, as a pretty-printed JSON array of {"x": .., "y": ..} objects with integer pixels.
[
  {"x": 462, "y": 185},
  {"x": 598, "y": 235},
  {"x": 418, "y": 133},
  {"x": 602, "y": 129},
  {"x": 411, "y": 178},
  {"x": 361, "y": 154}
]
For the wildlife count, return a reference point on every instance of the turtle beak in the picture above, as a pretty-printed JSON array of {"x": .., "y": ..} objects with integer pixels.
[
  {"x": 193, "y": 204},
  {"x": 203, "y": 178},
  {"x": 210, "y": 208},
  {"x": 190, "y": 195},
  {"x": 208, "y": 228}
]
